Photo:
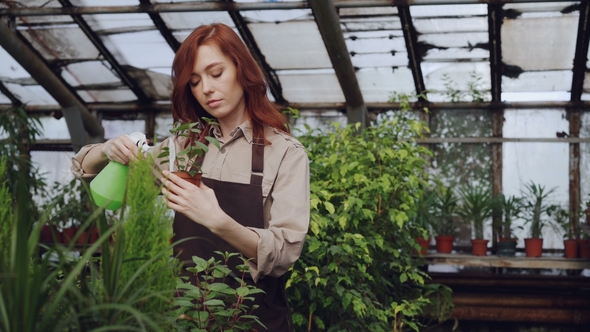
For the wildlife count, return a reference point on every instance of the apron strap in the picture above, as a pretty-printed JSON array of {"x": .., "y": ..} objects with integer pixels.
[{"x": 257, "y": 161}]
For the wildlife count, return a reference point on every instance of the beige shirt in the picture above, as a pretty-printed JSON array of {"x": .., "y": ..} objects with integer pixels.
[{"x": 285, "y": 190}]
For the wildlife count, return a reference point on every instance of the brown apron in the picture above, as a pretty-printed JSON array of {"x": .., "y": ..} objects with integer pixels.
[{"x": 244, "y": 203}]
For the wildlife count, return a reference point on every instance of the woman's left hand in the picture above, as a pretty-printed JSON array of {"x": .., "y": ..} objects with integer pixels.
[{"x": 198, "y": 203}]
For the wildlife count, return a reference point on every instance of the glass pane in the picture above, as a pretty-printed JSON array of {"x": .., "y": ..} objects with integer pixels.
[
  {"x": 54, "y": 165},
  {"x": 540, "y": 6},
  {"x": 311, "y": 86},
  {"x": 282, "y": 51},
  {"x": 536, "y": 96},
  {"x": 9, "y": 67},
  {"x": 540, "y": 43},
  {"x": 463, "y": 81},
  {"x": 96, "y": 3},
  {"x": 88, "y": 72},
  {"x": 54, "y": 128},
  {"x": 378, "y": 84},
  {"x": 520, "y": 166},
  {"x": 191, "y": 20},
  {"x": 438, "y": 25},
  {"x": 62, "y": 43},
  {"x": 449, "y": 10},
  {"x": 539, "y": 81},
  {"x": 529, "y": 123},
  {"x": 103, "y": 96},
  {"x": 31, "y": 94},
  {"x": 317, "y": 119},
  {"x": 163, "y": 126},
  {"x": 461, "y": 123},
  {"x": 116, "y": 128},
  {"x": 277, "y": 16},
  {"x": 367, "y": 11},
  {"x": 132, "y": 48},
  {"x": 4, "y": 99},
  {"x": 585, "y": 172}
]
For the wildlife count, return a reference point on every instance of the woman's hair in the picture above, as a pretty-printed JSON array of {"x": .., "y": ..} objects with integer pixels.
[{"x": 186, "y": 108}]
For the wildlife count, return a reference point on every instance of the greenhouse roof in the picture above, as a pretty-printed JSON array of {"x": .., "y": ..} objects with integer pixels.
[{"x": 112, "y": 58}]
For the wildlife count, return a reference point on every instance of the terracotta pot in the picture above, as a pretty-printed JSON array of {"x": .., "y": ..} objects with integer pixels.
[
  {"x": 68, "y": 234},
  {"x": 424, "y": 245},
  {"x": 46, "y": 235},
  {"x": 94, "y": 235},
  {"x": 83, "y": 238},
  {"x": 507, "y": 248},
  {"x": 444, "y": 243},
  {"x": 479, "y": 247},
  {"x": 533, "y": 247},
  {"x": 584, "y": 248},
  {"x": 196, "y": 179},
  {"x": 570, "y": 248}
]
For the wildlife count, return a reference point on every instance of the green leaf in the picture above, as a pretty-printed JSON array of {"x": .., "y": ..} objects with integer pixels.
[{"x": 330, "y": 207}]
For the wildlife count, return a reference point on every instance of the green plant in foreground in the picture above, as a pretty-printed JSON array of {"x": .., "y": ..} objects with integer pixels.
[
  {"x": 357, "y": 271},
  {"x": 212, "y": 305}
]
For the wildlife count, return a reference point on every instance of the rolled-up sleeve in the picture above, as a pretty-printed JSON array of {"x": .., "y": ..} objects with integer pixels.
[
  {"x": 280, "y": 244},
  {"x": 77, "y": 160}
]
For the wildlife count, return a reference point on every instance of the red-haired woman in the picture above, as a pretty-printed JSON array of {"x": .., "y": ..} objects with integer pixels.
[{"x": 254, "y": 197}]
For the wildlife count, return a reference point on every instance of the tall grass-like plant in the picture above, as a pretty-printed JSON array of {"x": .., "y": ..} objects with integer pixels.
[
  {"x": 6, "y": 217},
  {"x": 512, "y": 208},
  {"x": 476, "y": 207},
  {"x": 446, "y": 209},
  {"x": 537, "y": 210},
  {"x": 146, "y": 234}
]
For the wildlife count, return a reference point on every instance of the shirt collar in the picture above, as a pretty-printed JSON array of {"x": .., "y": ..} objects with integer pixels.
[{"x": 244, "y": 129}]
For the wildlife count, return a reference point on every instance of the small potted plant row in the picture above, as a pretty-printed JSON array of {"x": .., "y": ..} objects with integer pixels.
[{"x": 474, "y": 204}]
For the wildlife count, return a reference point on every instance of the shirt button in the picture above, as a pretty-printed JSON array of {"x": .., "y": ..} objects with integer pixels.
[{"x": 222, "y": 150}]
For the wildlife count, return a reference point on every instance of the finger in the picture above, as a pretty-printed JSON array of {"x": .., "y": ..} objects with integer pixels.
[
  {"x": 177, "y": 180},
  {"x": 171, "y": 198}
]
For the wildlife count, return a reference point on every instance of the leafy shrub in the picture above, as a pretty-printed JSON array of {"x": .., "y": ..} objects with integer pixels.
[{"x": 357, "y": 271}]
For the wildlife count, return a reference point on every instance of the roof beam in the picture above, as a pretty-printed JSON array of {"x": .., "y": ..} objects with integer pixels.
[
  {"x": 495, "y": 19},
  {"x": 411, "y": 39},
  {"x": 220, "y": 6},
  {"x": 126, "y": 108},
  {"x": 274, "y": 84},
  {"x": 78, "y": 118},
  {"x": 328, "y": 22},
  {"x": 162, "y": 27},
  {"x": 97, "y": 42},
  {"x": 581, "y": 55}
]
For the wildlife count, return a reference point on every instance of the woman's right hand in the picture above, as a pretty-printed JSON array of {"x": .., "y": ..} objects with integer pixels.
[{"x": 120, "y": 149}]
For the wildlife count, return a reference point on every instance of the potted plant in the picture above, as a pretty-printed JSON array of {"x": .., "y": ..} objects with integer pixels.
[
  {"x": 446, "y": 208},
  {"x": 511, "y": 208},
  {"x": 184, "y": 162},
  {"x": 423, "y": 219},
  {"x": 570, "y": 233},
  {"x": 537, "y": 213},
  {"x": 475, "y": 208}
]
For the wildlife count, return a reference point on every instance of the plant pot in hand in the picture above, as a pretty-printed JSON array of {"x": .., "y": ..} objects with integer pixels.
[{"x": 194, "y": 179}]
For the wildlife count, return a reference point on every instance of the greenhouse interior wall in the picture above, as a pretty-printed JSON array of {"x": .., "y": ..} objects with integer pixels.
[{"x": 504, "y": 84}]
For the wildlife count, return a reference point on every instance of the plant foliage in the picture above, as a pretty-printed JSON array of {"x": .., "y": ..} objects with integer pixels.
[
  {"x": 476, "y": 207},
  {"x": 356, "y": 271}
]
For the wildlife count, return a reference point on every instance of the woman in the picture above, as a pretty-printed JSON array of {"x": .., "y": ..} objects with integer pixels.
[{"x": 254, "y": 197}]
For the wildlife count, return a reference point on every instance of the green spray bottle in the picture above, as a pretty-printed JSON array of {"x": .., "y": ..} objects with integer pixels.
[{"x": 107, "y": 189}]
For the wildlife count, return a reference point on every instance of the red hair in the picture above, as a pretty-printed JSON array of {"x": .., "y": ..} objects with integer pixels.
[{"x": 186, "y": 108}]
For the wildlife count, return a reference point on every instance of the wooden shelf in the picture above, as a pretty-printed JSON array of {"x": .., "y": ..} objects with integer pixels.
[{"x": 546, "y": 262}]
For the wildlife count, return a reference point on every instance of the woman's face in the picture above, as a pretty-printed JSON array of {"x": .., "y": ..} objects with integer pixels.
[{"x": 213, "y": 82}]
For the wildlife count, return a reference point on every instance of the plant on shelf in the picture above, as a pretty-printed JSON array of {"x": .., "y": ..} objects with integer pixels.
[
  {"x": 423, "y": 218},
  {"x": 537, "y": 215},
  {"x": 185, "y": 161},
  {"x": 446, "y": 211},
  {"x": 512, "y": 208},
  {"x": 476, "y": 208},
  {"x": 571, "y": 233}
]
